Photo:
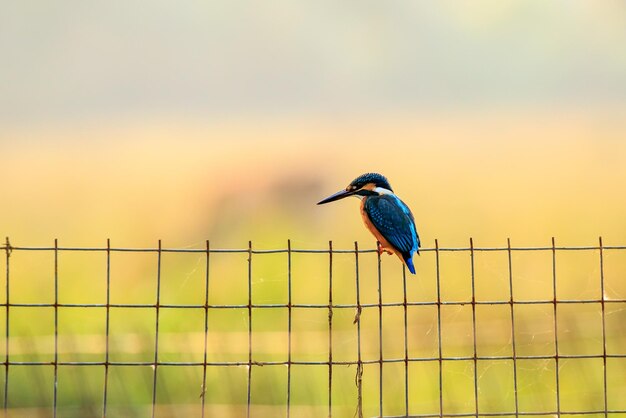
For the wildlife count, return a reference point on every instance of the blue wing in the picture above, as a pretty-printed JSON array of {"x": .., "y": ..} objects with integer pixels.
[{"x": 394, "y": 221}]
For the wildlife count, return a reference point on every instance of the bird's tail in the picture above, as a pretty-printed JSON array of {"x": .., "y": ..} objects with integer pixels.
[{"x": 409, "y": 263}]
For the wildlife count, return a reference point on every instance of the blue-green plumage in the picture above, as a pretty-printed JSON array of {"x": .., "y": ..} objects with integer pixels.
[
  {"x": 394, "y": 221},
  {"x": 387, "y": 217}
]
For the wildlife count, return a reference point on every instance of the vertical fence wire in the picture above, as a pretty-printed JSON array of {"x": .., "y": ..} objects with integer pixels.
[
  {"x": 380, "y": 336},
  {"x": 206, "y": 324},
  {"x": 357, "y": 321},
  {"x": 330, "y": 329},
  {"x": 605, "y": 394},
  {"x": 156, "y": 334},
  {"x": 7, "y": 250},
  {"x": 556, "y": 331},
  {"x": 474, "y": 351},
  {"x": 107, "y": 324},
  {"x": 406, "y": 342},
  {"x": 512, "y": 308},
  {"x": 249, "y": 380},
  {"x": 56, "y": 325},
  {"x": 439, "y": 347},
  {"x": 289, "y": 319}
]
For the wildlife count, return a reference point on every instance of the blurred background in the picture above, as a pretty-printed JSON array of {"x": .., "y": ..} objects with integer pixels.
[{"x": 186, "y": 121}]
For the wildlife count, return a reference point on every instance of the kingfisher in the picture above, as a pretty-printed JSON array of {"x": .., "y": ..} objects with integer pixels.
[{"x": 387, "y": 217}]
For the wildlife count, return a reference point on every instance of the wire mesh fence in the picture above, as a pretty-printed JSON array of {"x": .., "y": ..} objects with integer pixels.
[{"x": 481, "y": 331}]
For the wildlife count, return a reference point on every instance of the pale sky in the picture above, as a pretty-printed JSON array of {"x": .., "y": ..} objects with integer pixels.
[{"x": 74, "y": 60}]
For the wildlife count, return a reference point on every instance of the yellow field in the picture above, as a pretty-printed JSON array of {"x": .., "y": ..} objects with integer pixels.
[{"x": 523, "y": 175}]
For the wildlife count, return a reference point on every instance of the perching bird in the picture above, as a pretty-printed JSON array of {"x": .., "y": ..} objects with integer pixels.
[{"x": 385, "y": 215}]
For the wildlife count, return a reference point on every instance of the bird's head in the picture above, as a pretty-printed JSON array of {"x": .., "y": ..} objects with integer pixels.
[{"x": 369, "y": 184}]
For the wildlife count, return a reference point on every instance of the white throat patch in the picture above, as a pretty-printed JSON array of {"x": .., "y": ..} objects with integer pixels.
[{"x": 382, "y": 190}]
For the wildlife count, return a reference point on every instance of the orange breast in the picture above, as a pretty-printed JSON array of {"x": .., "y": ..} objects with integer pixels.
[{"x": 368, "y": 223}]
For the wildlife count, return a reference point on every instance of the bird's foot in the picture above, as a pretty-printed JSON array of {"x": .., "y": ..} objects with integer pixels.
[{"x": 382, "y": 250}]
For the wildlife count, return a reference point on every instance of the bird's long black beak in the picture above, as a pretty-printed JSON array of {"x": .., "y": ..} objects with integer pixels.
[{"x": 339, "y": 195}]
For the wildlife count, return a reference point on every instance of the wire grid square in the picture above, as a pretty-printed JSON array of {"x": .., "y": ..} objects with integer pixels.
[
  {"x": 494, "y": 330},
  {"x": 366, "y": 340},
  {"x": 616, "y": 370},
  {"x": 533, "y": 373}
]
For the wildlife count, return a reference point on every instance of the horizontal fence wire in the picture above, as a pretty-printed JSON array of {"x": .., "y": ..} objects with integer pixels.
[
  {"x": 292, "y": 308},
  {"x": 301, "y": 250}
]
